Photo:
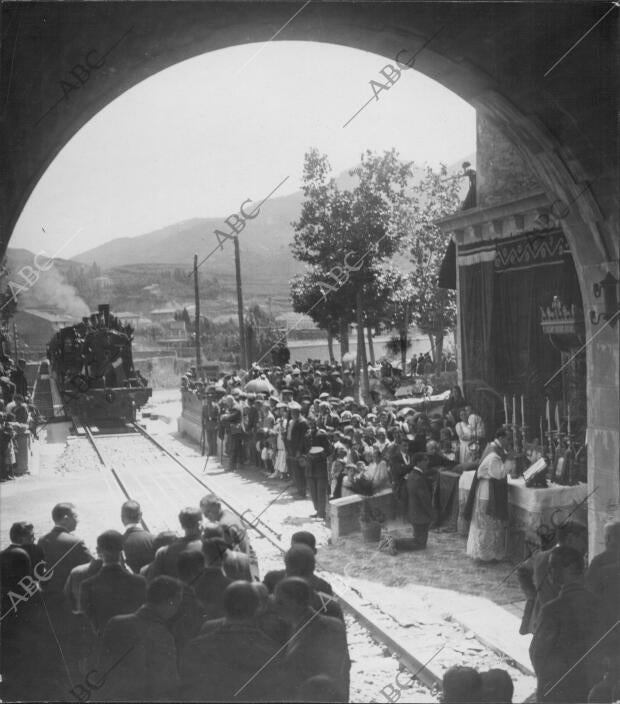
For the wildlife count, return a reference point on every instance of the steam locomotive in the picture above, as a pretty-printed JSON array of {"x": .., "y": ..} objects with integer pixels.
[{"x": 92, "y": 365}]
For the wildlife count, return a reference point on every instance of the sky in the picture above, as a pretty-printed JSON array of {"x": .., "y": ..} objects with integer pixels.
[{"x": 201, "y": 137}]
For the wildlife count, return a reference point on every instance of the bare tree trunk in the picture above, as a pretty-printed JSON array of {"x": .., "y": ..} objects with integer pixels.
[
  {"x": 330, "y": 346},
  {"x": 344, "y": 338},
  {"x": 403, "y": 341},
  {"x": 361, "y": 346},
  {"x": 438, "y": 349},
  {"x": 371, "y": 347}
]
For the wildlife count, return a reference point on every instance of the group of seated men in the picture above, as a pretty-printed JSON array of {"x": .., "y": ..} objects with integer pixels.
[{"x": 166, "y": 618}]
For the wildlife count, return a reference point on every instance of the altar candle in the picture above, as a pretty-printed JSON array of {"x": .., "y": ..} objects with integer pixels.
[
  {"x": 514, "y": 410},
  {"x": 522, "y": 411},
  {"x": 557, "y": 417},
  {"x": 542, "y": 441},
  {"x": 568, "y": 413},
  {"x": 505, "y": 410},
  {"x": 548, "y": 414}
]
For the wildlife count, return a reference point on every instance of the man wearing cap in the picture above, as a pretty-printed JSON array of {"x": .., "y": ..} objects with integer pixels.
[{"x": 296, "y": 430}]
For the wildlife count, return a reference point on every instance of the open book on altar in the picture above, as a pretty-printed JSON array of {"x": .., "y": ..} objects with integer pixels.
[{"x": 538, "y": 467}]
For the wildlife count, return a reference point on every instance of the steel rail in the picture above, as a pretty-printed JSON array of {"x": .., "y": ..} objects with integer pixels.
[
  {"x": 91, "y": 439},
  {"x": 417, "y": 668}
]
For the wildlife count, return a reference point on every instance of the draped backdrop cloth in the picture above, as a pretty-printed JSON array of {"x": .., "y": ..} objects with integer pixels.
[{"x": 503, "y": 283}]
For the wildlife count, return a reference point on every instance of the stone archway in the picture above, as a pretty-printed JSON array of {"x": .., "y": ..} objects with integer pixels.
[{"x": 497, "y": 56}]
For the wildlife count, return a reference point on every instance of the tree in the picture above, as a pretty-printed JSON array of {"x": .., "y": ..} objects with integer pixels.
[
  {"x": 434, "y": 308},
  {"x": 396, "y": 296},
  {"x": 261, "y": 332},
  {"x": 347, "y": 233},
  {"x": 328, "y": 312}
]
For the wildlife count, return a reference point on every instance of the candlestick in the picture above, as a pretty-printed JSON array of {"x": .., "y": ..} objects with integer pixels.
[
  {"x": 542, "y": 441},
  {"x": 568, "y": 426},
  {"x": 522, "y": 411},
  {"x": 514, "y": 410},
  {"x": 557, "y": 417},
  {"x": 548, "y": 414},
  {"x": 505, "y": 410}
]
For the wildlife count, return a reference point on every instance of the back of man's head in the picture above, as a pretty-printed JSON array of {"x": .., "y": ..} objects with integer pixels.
[
  {"x": 567, "y": 558},
  {"x": 110, "y": 545},
  {"x": 190, "y": 565},
  {"x": 190, "y": 518},
  {"x": 573, "y": 534},
  {"x": 461, "y": 685},
  {"x": 131, "y": 512},
  {"x": 214, "y": 550},
  {"x": 166, "y": 537},
  {"x": 295, "y": 591},
  {"x": 304, "y": 537},
  {"x": 61, "y": 511},
  {"x": 497, "y": 686},
  {"x": 240, "y": 600},
  {"x": 612, "y": 536},
  {"x": 21, "y": 532},
  {"x": 299, "y": 561},
  {"x": 162, "y": 590}
]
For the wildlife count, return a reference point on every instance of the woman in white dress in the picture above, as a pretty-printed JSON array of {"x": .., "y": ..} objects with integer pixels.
[
  {"x": 465, "y": 435},
  {"x": 279, "y": 464},
  {"x": 488, "y": 504}
]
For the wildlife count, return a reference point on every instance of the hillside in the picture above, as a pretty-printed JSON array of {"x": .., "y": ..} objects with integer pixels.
[
  {"x": 264, "y": 243},
  {"x": 150, "y": 270}
]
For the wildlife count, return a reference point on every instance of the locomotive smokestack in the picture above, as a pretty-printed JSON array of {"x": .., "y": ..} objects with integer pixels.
[{"x": 104, "y": 310}]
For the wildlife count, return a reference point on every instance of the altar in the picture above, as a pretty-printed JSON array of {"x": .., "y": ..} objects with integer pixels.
[{"x": 534, "y": 513}]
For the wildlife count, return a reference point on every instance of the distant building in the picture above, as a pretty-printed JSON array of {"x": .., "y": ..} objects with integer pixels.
[
  {"x": 103, "y": 283},
  {"x": 296, "y": 321},
  {"x": 35, "y": 327}
]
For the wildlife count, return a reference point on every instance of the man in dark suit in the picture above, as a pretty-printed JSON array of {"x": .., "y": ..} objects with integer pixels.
[
  {"x": 400, "y": 466},
  {"x": 610, "y": 556},
  {"x": 562, "y": 650},
  {"x": 420, "y": 500},
  {"x": 139, "y": 650},
  {"x": 317, "y": 644},
  {"x": 212, "y": 582},
  {"x": 302, "y": 537},
  {"x": 535, "y": 577},
  {"x": 137, "y": 541},
  {"x": 230, "y": 660},
  {"x": 166, "y": 558},
  {"x": 62, "y": 550},
  {"x": 420, "y": 511},
  {"x": 14, "y": 566},
  {"x": 296, "y": 429},
  {"x": 113, "y": 590}
]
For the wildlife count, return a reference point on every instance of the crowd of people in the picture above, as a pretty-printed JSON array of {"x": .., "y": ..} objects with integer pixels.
[
  {"x": 166, "y": 617},
  {"x": 305, "y": 426},
  {"x": 17, "y": 413}
]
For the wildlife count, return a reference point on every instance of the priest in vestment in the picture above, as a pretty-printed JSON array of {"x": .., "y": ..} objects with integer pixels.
[{"x": 487, "y": 504}]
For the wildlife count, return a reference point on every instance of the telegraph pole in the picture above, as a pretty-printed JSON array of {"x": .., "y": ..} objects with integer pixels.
[
  {"x": 197, "y": 317},
  {"x": 244, "y": 359}
]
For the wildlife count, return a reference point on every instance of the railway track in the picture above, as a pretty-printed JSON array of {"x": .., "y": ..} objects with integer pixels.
[{"x": 163, "y": 483}]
